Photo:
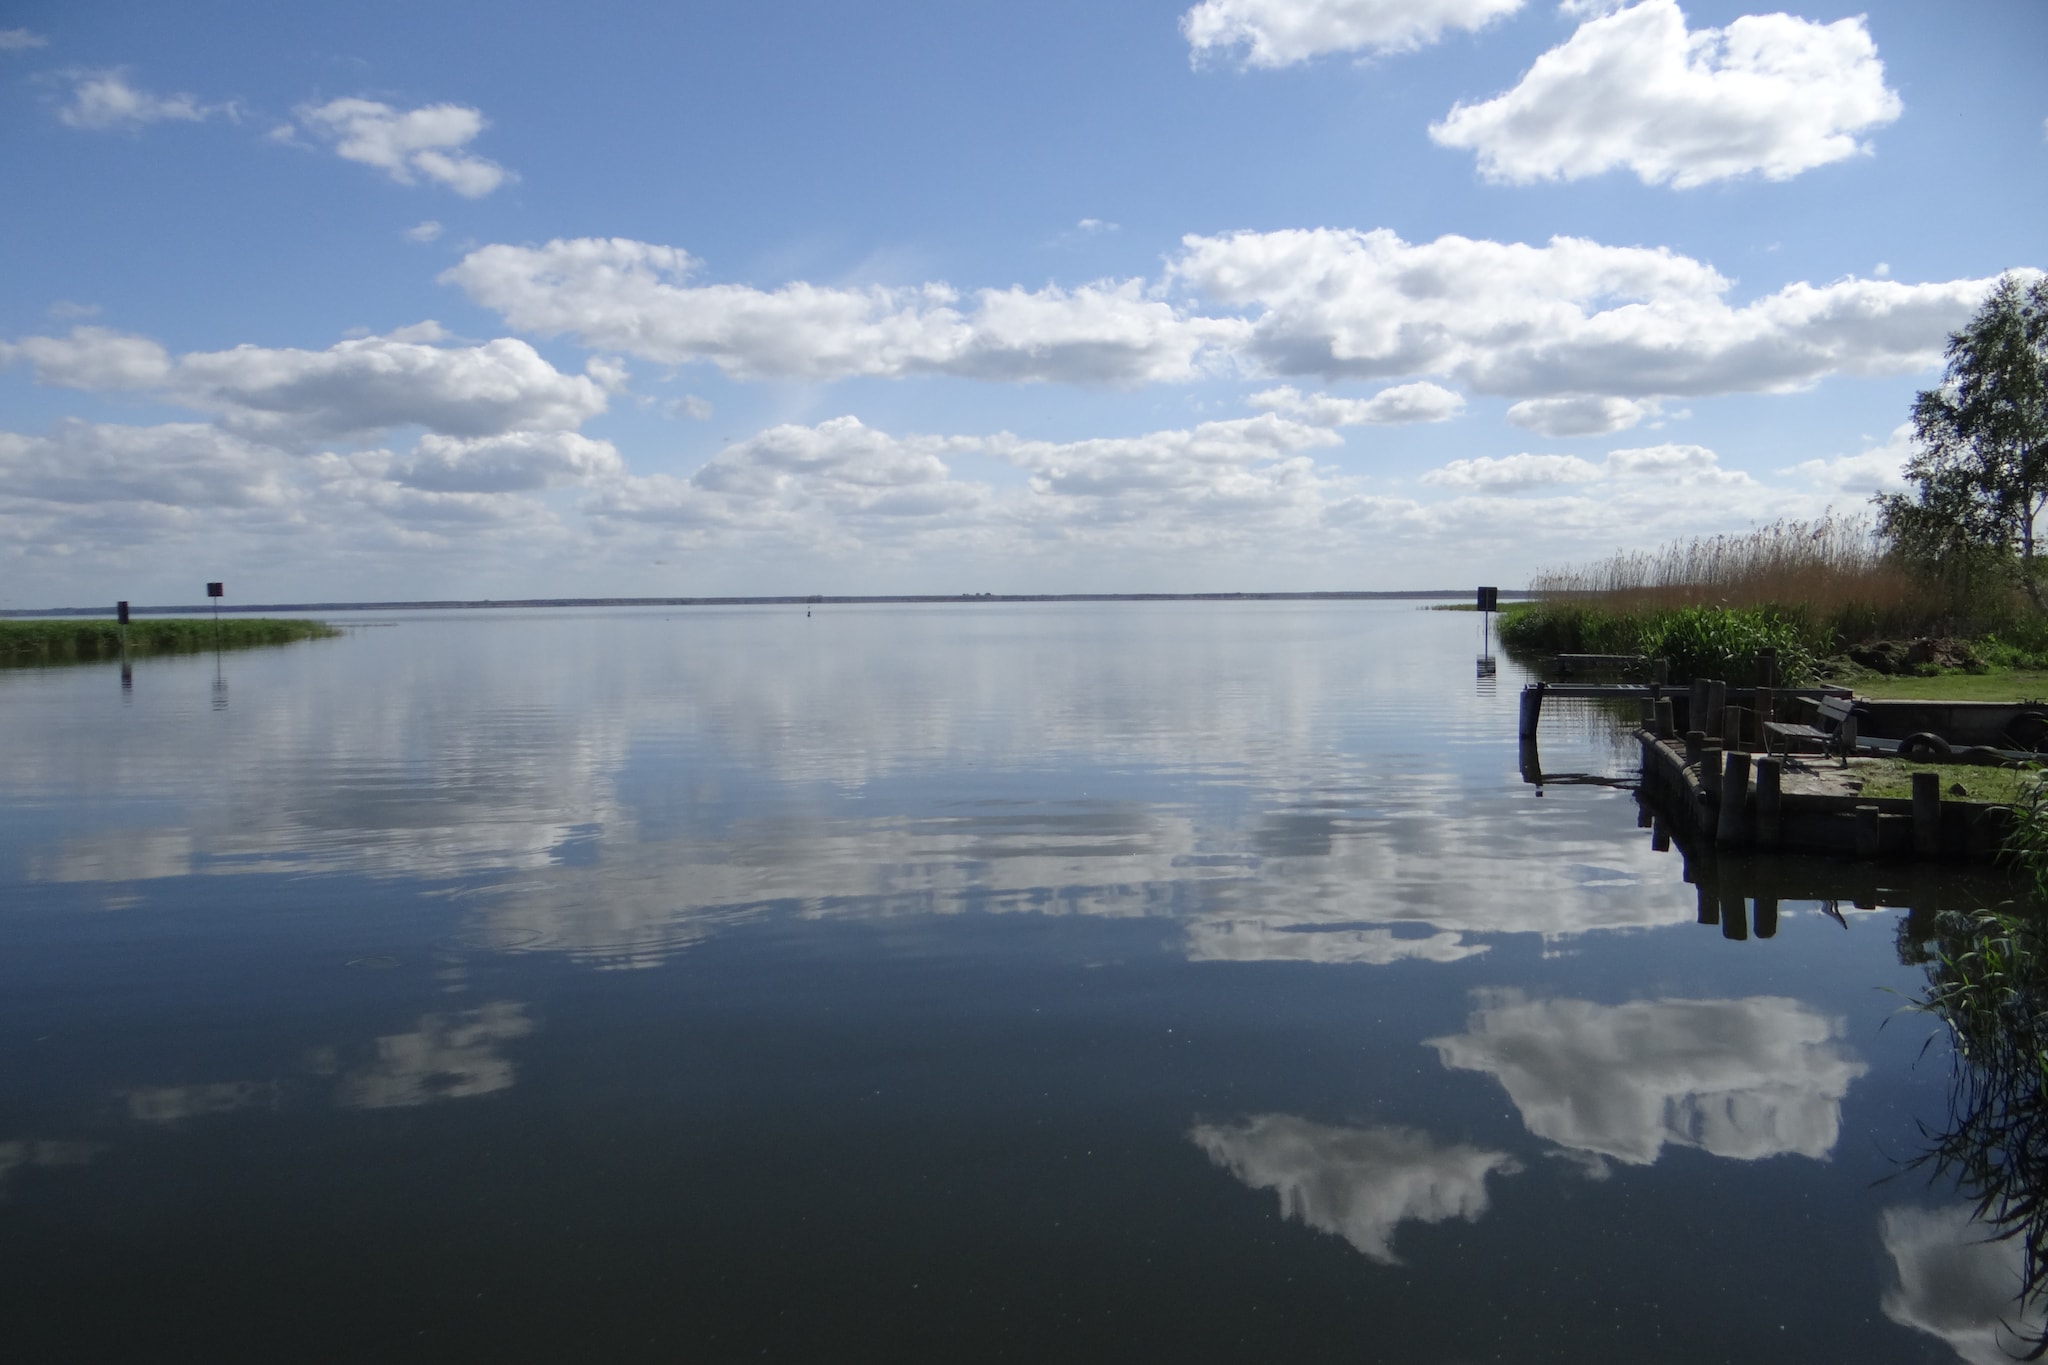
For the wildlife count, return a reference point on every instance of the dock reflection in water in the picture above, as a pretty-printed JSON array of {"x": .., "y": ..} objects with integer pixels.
[{"x": 1179, "y": 980}]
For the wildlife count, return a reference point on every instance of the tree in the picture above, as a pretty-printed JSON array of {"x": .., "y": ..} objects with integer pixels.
[{"x": 1982, "y": 462}]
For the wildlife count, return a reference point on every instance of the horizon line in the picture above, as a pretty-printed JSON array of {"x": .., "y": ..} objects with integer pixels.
[{"x": 787, "y": 600}]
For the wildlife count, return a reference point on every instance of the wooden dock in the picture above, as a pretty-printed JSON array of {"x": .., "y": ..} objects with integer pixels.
[{"x": 1742, "y": 800}]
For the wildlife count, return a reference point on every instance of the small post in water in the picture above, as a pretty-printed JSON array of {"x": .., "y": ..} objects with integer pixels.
[
  {"x": 216, "y": 591},
  {"x": 1734, "y": 798},
  {"x": 1927, "y": 814},
  {"x": 1489, "y": 603},
  {"x": 1769, "y": 806}
]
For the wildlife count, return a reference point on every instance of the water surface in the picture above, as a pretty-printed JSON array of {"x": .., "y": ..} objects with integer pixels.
[{"x": 1165, "y": 981}]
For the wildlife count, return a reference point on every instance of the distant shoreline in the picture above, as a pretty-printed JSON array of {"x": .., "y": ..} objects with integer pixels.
[{"x": 812, "y": 600}]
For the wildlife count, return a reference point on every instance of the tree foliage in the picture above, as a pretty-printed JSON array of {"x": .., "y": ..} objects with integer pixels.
[{"x": 1982, "y": 462}]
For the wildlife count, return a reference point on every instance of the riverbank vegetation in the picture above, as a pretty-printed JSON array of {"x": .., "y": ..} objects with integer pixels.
[
  {"x": 34, "y": 642},
  {"x": 1946, "y": 583}
]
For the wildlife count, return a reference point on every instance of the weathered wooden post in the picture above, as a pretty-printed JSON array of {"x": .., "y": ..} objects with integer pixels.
[
  {"x": 1766, "y": 708},
  {"x": 1734, "y": 800},
  {"x": 1660, "y": 673},
  {"x": 1649, "y": 715},
  {"x": 1696, "y": 706},
  {"x": 1695, "y": 745},
  {"x": 1710, "y": 788},
  {"x": 1735, "y": 728},
  {"x": 1766, "y": 916},
  {"x": 1717, "y": 700},
  {"x": 1927, "y": 815},
  {"x": 1767, "y": 668},
  {"x": 1866, "y": 831},
  {"x": 1532, "y": 708},
  {"x": 1666, "y": 723},
  {"x": 1769, "y": 808}
]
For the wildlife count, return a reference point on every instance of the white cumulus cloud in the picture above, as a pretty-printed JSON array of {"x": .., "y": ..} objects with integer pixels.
[
  {"x": 514, "y": 461},
  {"x": 1770, "y": 95},
  {"x": 1360, "y": 1184},
  {"x": 20, "y": 40},
  {"x": 637, "y": 298},
  {"x": 1878, "y": 469},
  {"x": 104, "y": 99},
  {"x": 92, "y": 358},
  {"x": 352, "y": 388},
  {"x": 1274, "y": 33},
  {"x": 181, "y": 465},
  {"x": 1513, "y": 473},
  {"x": 427, "y": 231},
  {"x": 1592, "y": 335},
  {"x": 1569, "y": 318},
  {"x": 408, "y": 144},
  {"x": 1579, "y": 416},
  {"x": 1417, "y": 402}
]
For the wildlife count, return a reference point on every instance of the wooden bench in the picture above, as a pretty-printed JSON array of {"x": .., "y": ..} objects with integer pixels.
[{"x": 1837, "y": 728}]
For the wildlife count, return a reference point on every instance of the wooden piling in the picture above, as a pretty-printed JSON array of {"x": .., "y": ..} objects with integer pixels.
[
  {"x": 1769, "y": 803},
  {"x": 1695, "y": 745},
  {"x": 1735, "y": 728},
  {"x": 1866, "y": 831},
  {"x": 1660, "y": 672},
  {"x": 1532, "y": 709},
  {"x": 1926, "y": 814},
  {"x": 1734, "y": 800},
  {"x": 1717, "y": 700},
  {"x": 1666, "y": 722}
]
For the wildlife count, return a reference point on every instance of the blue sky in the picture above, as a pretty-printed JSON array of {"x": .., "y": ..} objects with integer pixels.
[{"x": 507, "y": 300}]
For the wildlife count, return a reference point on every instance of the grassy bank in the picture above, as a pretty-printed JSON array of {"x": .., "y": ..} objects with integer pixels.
[
  {"x": 1893, "y": 778},
  {"x": 1823, "y": 595},
  {"x": 74, "y": 641},
  {"x": 2013, "y": 685}
]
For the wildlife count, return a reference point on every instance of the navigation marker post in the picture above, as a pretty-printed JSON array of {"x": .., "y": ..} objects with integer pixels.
[
  {"x": 1489, "y": 603},
  {"x": 127, "y": 673}
]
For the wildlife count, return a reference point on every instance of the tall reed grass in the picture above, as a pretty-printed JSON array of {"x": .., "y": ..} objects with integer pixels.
[
  {"x": 34, "y": 642},
  {"x": 1803, "y": 588}
]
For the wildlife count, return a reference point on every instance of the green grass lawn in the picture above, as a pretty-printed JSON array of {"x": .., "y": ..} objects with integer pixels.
[
  {"x": 70, "y": 640},
  {"x": 1893, "y": 777},
  {"x": 1998, "y": 685}
]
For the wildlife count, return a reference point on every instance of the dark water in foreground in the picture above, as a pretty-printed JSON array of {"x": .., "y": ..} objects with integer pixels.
[{"x": 1182, "y": 981}]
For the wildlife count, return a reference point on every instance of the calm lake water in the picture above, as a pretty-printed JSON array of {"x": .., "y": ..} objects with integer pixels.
[{"x": 1176, "y": 981}]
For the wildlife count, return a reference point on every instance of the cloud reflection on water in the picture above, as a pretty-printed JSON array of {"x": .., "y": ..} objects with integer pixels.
[
  {"x": 1360, "y": 1184},
  {"x": 1316, "y": 796},
  {"x": 1956, "y": 1284},
  {"x": 1746, "y": 1079},
  {"x": 448, "y": 1057},
  {"x": 23, "y": 1153}
]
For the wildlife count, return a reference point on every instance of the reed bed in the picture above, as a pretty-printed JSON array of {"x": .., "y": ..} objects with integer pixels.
[
  {"x": 1806, "y": 589},
  {"x": 30, "y": 643}
]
